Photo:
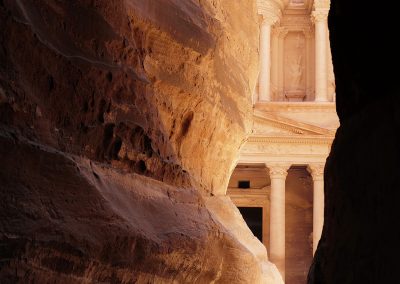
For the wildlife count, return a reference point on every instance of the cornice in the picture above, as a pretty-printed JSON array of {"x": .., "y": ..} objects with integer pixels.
[
  {"x": 294, "y": 130},
  {"x": 306, "y": 139},
  {"x": 296, "y": 106},
  {"x": 250, "y": 192}
]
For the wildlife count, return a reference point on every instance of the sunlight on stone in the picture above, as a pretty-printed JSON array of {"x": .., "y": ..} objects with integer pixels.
[{"x": 278, "y": 181}]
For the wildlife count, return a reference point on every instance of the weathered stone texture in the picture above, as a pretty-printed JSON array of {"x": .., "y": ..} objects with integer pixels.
[{"x": 116, "y": 117}]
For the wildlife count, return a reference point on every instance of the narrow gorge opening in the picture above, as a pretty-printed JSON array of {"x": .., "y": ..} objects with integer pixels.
[
  {"x": 294, "y": 125},
  {"x": 298, "y": 213}
]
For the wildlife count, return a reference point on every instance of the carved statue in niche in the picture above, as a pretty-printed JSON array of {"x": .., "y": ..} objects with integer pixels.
[
  {"x": 295, "y": 68},
  {"x": 299, "y": 42},
  {"x": 296, "y": 72}
]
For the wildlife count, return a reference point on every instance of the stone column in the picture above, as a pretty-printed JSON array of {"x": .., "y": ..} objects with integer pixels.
[
  {"x": 309, "y": 61},
  {"x": 321, "y": 61},
  {"x": 274, "y": 61},
  {"x": 271, "y": 12},
  {"x": 277, "y": 173},
  {"x": 317, "y": 173},
  {"x": 265, "y": 61}
]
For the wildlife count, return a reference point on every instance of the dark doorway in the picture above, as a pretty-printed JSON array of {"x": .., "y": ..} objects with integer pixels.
[
  {"x": 244, "y": 184},
  {"x": 253, "y": 218}
]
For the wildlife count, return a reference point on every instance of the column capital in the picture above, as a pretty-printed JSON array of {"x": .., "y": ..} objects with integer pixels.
[
  {"x": 270, "y": 19},
  {"x": 316, "y": 171},
  {"x": 271, "y": 10},
  {"x": 278, "y": 170},
  {"x": 322, "y": 4},
  {"x": 320, "y": 15}
]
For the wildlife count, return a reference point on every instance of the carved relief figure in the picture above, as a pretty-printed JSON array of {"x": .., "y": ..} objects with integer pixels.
[
  {"x": 296, "y": 71},
  {"x": 299, "y": 42}
]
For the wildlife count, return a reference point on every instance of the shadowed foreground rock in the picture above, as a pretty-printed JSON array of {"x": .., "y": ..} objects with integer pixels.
[
  {"x": 117, "y": 118},
  {"x": 67, "y": 219},
  {"x": 360, "y": 240}
]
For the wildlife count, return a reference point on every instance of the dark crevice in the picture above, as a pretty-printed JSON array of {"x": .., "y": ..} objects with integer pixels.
[
  {"x": 141, "y": 167},
  {"x": 108, "y": 134},
  {"x": 116, "y": 147},
  {"x": 101, "y": 110},
  {"x": 51, "y": 84},
  {"x": 186, "y": 123},
  {"x": 109, "y": 76}
]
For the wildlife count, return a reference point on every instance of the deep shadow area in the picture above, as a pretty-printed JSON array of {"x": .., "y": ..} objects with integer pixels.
[
  {"x": 360, "y": 239},
  {"x": 253, "y": 218}
]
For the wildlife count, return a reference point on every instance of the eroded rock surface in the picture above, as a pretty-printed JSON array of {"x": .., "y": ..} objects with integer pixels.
[
  {"x": 67, "y": 219},
  {"x": 157, "y": 87},
  {"x": 116, "y": 118}
]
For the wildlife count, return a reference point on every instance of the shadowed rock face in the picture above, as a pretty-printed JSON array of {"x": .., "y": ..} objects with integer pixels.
[
  {"x": 116, "y": 118},
  {"x": 65, "y": 219},
  {"x": 360, "y": 240}
]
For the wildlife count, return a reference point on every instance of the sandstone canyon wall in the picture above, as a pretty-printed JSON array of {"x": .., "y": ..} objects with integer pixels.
[
  {"x": 116, "y": 119},
  {"x": 360, "y": 240}
]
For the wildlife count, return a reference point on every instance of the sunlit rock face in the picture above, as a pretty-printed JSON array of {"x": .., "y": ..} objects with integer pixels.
[
  {"x": 360, "y": 240},
  {"x": 161, "y": 88},
  {"x": 116, "y": 119}
]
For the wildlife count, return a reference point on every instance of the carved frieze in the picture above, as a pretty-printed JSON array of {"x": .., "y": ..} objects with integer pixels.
[
  {"x": 285, "y": 148},
  {"x": 297, "y": 21},
  {"x": 280, "y": 32}
]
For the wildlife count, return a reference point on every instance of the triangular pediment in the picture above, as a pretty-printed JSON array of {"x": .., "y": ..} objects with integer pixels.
[{"x": 271, "y": 124}]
